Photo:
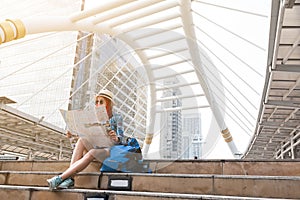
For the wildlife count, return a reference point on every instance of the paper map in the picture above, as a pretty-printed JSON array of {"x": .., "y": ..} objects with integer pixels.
[{"x": 89, "y": 124}]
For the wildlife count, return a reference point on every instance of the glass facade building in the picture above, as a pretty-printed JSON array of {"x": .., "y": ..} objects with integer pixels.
[
  {"x": 192, "y": 137},
  {"x": 36, "y": 71},
  {"x": 171, "y": 125}
]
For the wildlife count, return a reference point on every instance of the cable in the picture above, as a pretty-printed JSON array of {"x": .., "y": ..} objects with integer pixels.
[
  {"x": 233, "y": 9},
  {"x": 36, "y": 61},
  {"x": 229, "y": 31}
]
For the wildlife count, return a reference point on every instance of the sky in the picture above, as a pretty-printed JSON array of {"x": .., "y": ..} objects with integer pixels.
[{"x": 240, "y": 31}]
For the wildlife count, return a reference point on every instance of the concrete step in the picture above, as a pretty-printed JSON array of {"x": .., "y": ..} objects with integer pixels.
[
  {"x": 221, "y": 167},
  {"x": 229, "y": 185},
  {"x": 9, "y": 192},
  {"x": 228, "y": 167},
  {"x": 46, "y": 166}
]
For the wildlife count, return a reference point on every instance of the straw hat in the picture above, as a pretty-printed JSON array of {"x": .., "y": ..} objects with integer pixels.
[{"x": 106, "y": 93}]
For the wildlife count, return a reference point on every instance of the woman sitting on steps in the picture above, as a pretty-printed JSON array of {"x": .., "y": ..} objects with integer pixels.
[{"x": 83, "y": 153}]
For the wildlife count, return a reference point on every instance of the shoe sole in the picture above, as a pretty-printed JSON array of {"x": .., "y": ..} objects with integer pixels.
[{"x": 70, "y": 187}]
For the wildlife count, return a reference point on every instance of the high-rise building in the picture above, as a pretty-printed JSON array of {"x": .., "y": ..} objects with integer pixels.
[
  {"x": 171, "y": 128},
  {"x": 192, "y": 136},
  {"x": 36, "y": 71}
]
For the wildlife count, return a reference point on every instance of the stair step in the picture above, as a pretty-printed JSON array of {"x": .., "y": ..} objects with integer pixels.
[
  {"x": 47, "y": 166},
  {"x": 232, "y": 185},
  {"x": 228, "y": 167},
  {"x": 9, "y": 192},
  {"x": 225, "y": 167}
]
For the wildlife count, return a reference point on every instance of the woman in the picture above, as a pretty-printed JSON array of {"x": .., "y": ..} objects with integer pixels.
[{"x": 83, "y": 155}]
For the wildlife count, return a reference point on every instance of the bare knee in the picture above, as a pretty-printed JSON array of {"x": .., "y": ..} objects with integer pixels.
[
  {"x": 90, "y": 156},
  {"x": 99, "y": 154},
  {"x": 79, "y": 142}
]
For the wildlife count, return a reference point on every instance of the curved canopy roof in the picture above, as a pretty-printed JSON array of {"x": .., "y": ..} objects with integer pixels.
[
  {"x": 211, "y": 48},
  {"x": 277, "y": 129}
]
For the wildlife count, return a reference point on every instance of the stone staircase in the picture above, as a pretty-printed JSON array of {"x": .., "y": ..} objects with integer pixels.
[{"x": 181, "y": 179}]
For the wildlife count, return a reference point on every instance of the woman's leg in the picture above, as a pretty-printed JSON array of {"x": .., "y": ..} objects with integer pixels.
[
  {"x": 78, "y": 163},
  {"x": 78, "y": 151},
  {"x": 82, "y": 163}
]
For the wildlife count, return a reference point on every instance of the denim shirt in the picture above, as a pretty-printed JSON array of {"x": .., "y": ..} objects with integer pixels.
[{"x": 116, "y": 124}]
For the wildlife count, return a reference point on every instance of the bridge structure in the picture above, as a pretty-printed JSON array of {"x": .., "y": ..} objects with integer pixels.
[{"x": 144, "y": 51}]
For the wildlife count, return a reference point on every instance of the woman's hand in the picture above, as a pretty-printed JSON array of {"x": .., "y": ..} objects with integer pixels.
[
  {"x": 113, "y": 136},
  {"x": 69, "y": 134}
]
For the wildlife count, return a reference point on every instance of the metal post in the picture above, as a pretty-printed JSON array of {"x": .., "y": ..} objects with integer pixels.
[{"x": 292, "y": 148}]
